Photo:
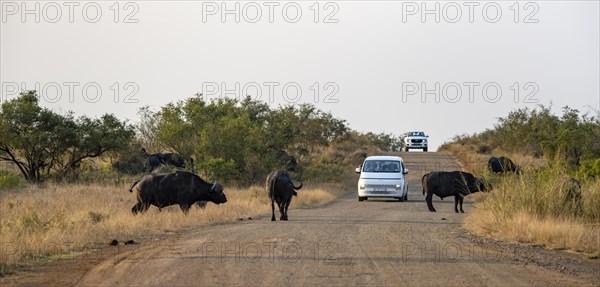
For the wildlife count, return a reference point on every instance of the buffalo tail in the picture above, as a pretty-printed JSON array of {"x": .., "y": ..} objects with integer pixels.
[
  {"x": 424, "y": 182},
  {"x": 131, "y": 188}
]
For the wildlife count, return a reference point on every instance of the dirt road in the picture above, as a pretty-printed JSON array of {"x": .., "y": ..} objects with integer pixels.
[{"x": 344, "y": 243}]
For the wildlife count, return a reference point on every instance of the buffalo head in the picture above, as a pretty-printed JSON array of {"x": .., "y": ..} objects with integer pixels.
[
  {"x": 216, "y": 194},
  {"x": 483, "y": 185}
]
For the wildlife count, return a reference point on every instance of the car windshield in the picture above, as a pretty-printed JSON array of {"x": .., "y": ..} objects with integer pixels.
[
  {"x": 417, "y": 134},
  {"x": 381, "y": 166}
]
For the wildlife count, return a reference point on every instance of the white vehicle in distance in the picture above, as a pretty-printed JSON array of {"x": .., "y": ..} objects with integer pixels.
[
  {"x": 415, "y": 140},
  {"x": 382, "y": 176}
]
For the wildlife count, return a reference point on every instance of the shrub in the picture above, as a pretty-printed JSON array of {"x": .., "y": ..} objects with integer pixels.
[
  {"x": 590, "y": 169},
  {"x": 10, "y": 181},
  {"x": 220, "y": 169}
]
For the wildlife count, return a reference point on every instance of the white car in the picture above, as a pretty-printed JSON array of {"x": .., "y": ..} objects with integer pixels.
[
  {"x": 383, "y": 176},
  {"x": 415, "y": 140}
]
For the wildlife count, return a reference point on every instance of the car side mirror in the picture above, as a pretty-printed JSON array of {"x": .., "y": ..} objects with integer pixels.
[
  {"x": 426, "y": 136},
  {"x": 406, "y": 170},
  {"x": 357, "y": 170}
]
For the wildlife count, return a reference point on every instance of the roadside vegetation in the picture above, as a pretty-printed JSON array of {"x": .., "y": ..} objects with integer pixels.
[
  {"x": 58, "y": 220},
  {"x": 542, "y": 205},
  {"x": 41, "y": 143},
  {"x": 64, "y": 180},
  {"x": 230, "y": 140}
]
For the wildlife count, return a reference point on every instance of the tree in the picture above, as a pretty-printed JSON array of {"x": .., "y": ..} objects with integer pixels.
[
  {"x": 386, "y": 142},
  {"x": 566, "y": 141},
  {"x": 577, "y": 138},
  {"x": 240, "y": 140},
  {"x": 93, "y": 138},
  {"x": 146, "y": 128},
  {"x": 38, "y": 140},
  {"x": 30, "y": 135}
]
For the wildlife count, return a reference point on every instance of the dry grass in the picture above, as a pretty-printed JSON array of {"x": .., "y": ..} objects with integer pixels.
[
  {"x": 36, "y": 223},
  {"x": 527, "y": 228},
  {"x": 535, "y": 207},
  {"x": 538, "y": 211},
  {"x": 472, "y": 161}
]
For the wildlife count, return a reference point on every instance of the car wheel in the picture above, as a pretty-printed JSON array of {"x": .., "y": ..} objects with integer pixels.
[
  {"x": 424, "y": 149},
  {"x": 360, "y": 198},
  {"x": 405, "y": 149},
  {"x": 401, "y": 199},
  {"x": 406, "y": 197}
]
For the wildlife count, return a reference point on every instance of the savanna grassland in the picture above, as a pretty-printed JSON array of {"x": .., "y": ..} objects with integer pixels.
[
  {"x": 64, "y": 180},
  {"x": 542, "y": 204},
  {"x": 41, "y": 222}
]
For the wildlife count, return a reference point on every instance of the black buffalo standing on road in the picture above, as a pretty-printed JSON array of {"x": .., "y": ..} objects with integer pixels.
[
  {"x": 502, "y": 165},
  {"x": 182, "y": 188},
  {"x": 453, "y": 183},
  {"x": 280, "y": 189}
]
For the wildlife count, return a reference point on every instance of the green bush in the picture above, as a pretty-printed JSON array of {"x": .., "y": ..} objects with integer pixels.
[
  {"x": 40, "y": 141},
  {"x": 10, "y": 181},
  {"x": 571, "y": 138},
  {"x": 324, "y": 172},
  {"x": 241, "y": 141},
  {"x": 590, "y": 169},
  {"x": 220, "y": 169}
]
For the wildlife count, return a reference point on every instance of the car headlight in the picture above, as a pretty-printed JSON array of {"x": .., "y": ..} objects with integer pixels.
[
  {"x": 398, "y": 187},
  {"x": 362, "y": 186}
]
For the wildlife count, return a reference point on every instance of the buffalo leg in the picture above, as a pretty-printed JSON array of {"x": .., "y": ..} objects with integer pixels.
[
  {"x": 185, "y": 208},
  {"x": 287, "y": 205},
  {"x": 428, "y": 199},
  {"x": 145, "y": 207},
  {"x": 285, "y": 210},
  {"x": 458, "y": 200},
  {"x": 282, "y": 211},
  {"x": 136, "y": 208},
  {"x": 272, "y": 209}
]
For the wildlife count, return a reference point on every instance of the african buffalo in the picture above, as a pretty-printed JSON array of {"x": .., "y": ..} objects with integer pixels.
[
  {"x": 173, "y": 159},
  {"x": 182, "y": 188},
  {"x": 453, "y": 183},
  {"x": 153, "y": 161},
  {"x": 156, "y": 159},
  {"x": 286, "y": 161},
  {"x": 570, "y": 188},
  {"x": 502, "y": 165},
  {"x": 280, "y": 189}
]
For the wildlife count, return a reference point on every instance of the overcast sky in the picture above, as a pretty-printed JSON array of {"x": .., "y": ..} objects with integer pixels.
[{"x": 384, "y": 66}]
